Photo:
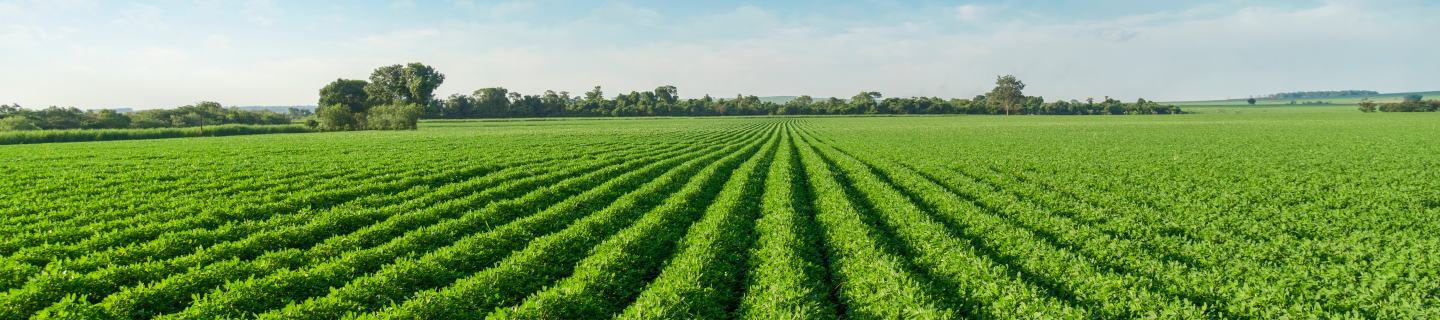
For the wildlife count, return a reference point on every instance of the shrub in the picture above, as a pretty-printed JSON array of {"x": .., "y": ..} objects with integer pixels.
[
  {"x": 395, "y": 117},
  {"x": 17, "y": 124},
  {"x": 339, "y": 118}
]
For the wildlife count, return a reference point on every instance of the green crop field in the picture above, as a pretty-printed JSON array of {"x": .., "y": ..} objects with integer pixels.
[{"x": 1241, "y": 216}]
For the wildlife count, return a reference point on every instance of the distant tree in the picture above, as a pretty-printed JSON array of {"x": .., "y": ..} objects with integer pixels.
[
  {"x": 1367, "y": 106},
  {"x": 667, "y": 94},
  {"x": 17, "y": 123},
  {"x": 413, "y": 83},
  {"x": 493, "y": 102},
  {"x": 299, "y": 113},
  {"x": 1250, "y": 101},
  {"x": 800, "y": 105},
  {"x": 351, "y": 94},
  {"x": 552, "y": 103},
  {"x": 9, "y": 109},
  {"x": 199, "y": 115},
  {"x": 147, "y": 119},
  {"x": 514, "y": 97},
  {"x": 458, "y": 106},
  {"x": 106, "y": 119},
  {"x": 1008, "y": 93},
  {"x": 1411, "y": 103},
  {"x": 865, "y": 102},
  {"x": 59, "y": 118},
  {"x": 595, "y": 94}
]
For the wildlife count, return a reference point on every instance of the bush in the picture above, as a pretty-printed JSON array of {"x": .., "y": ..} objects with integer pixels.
[
  {"x": 1367, "y": 106},
  {"x": 339, "y": 118},
  {"x": 1410, "y": 104},
  {"x": 17, "y": 123},
  {"x": 395, "y": 117},
  {"x": 149, "y": 123}
]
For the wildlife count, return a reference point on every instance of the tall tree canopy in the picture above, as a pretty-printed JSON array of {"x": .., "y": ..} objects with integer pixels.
[
  {"x": 347, "y": 93},
  {"x": 412, "y": 83},
  {"x": 865, "y": 102},
  {"x": 667, "y": 94},
  {"x": 492, "y": 101},
  {"x": 1008, "y": 94}
]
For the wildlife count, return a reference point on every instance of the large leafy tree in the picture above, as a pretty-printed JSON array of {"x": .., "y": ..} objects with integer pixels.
[
  {"x": 865, "y": 102},
  {"x": 1008, "y": 93},
  {"x": 347, "y": 93},
  {"x": 413, "y": 83},
  {"x": 492, "y": 101},
  {"x": 6, "y": 110},
  {"x": 667, "y": 94},
  {"x": 458, "y": 106},
  {"x": 106, "y": 119}
]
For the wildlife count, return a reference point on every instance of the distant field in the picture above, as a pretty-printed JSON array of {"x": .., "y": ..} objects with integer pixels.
[
  {"x": 1300, "y": 109},
  {"x": 1387, "y": 97},
  {"x": 1299, "y": 212}
]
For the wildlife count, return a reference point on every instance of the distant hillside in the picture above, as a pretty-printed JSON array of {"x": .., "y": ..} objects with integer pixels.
[{"x": 1346, "y": 100}]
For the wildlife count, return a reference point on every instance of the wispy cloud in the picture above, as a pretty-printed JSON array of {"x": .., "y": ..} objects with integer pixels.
[
  {"x": 259, "y": 11},
  {"x": 1175, "y": 52},
  {"x": 971, "y": 12}
]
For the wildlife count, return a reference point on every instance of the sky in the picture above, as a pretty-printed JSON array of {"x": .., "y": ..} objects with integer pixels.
[{"x": 145, "y": 54}]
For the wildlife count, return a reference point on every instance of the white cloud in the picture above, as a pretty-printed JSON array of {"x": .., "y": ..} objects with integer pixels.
[
  {"x": 1178, "y": 55},
  {"x": 1210, "y": 51},
  {"x": 969, "y": 12}
]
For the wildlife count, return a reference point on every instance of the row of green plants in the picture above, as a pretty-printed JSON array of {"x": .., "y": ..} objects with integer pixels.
[
  {"x": 549, "y": 258},
  {"x": 134, "y": 256},
  {"x": 82, "y": 135},
  {"x": 1171, "y": 233},
  {"x": 398, "y": 280},
  {"x": 770, "y": 218},
  {"x": 240, "y": 297},
  {"x": 286, "y": 249},
  {"x": 267, "y": 250}
]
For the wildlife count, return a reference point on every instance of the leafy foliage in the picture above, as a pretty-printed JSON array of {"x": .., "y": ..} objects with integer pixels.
[
  {"x": 1201, "y": 216},
  {"x": 205, "y": 113}
]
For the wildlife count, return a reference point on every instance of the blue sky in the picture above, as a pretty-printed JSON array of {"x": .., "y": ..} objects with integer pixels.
[{"x": 256, "y": 52}]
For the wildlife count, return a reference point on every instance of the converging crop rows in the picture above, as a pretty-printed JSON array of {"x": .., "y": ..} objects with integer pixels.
[{"x": 756, "y": 218}]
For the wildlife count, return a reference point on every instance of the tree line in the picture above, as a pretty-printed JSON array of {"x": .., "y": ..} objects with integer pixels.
[
  {"x": 395, "y": 97},
  {"x": 1321, "y": 94},
  {"x": 207, "y": 113},
  {"x": 1411, "y": 103},
  {"x": 1006, "y": 98}
]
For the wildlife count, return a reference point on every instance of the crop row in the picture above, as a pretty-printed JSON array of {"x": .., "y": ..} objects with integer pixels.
[
  {"x": 790, "y": 218},
  {"x": 43, "y": 290}
]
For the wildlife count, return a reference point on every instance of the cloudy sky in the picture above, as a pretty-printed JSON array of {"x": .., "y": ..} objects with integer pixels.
[{"x": 167, "y": 53}]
